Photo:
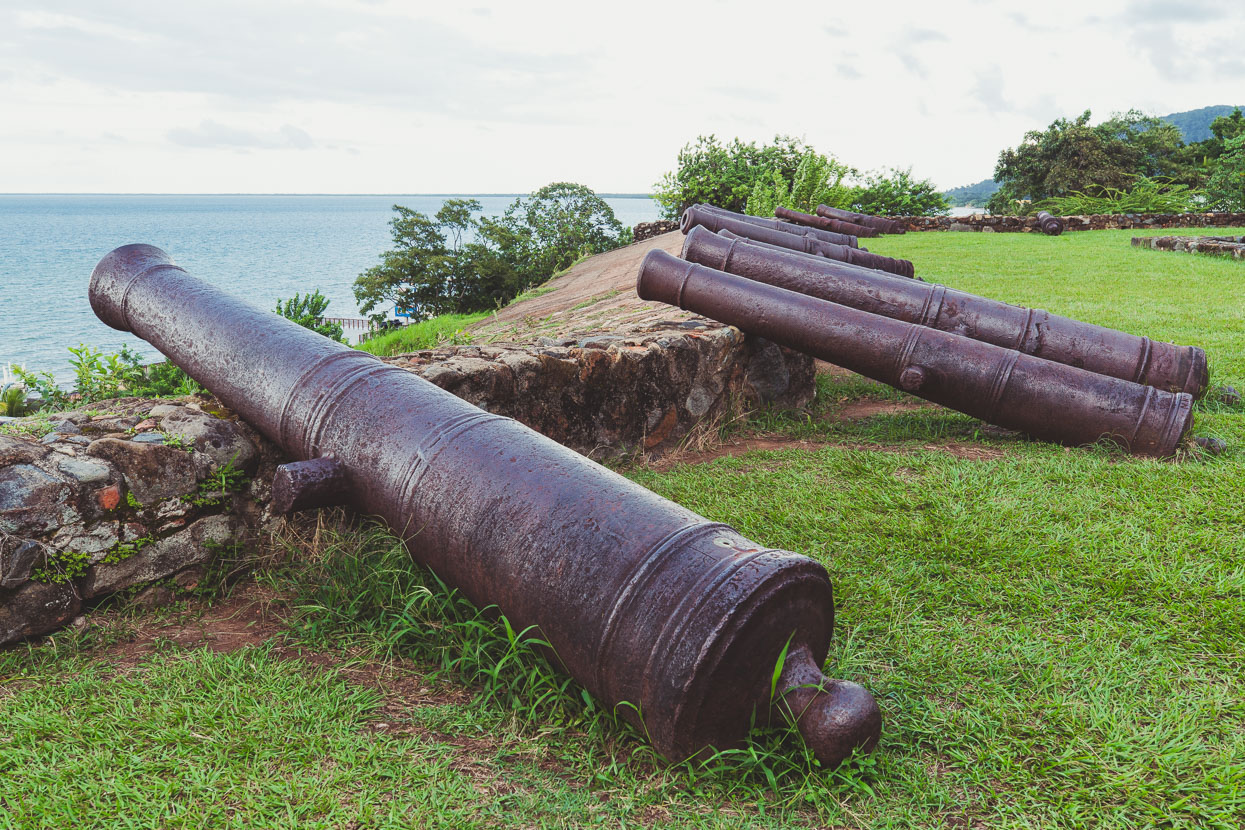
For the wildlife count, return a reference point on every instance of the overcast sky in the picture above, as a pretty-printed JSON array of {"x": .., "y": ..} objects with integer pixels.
[{"x": 337, "y": 96}]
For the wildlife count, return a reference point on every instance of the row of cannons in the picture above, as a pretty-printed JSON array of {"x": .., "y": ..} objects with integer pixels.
[{"x": 693, "y": 632}]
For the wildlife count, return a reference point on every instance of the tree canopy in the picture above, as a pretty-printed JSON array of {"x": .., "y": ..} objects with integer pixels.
[{"x": 456, "y": 262}]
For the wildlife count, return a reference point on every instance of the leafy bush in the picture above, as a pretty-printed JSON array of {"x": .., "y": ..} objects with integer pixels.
[
  {"x": 1146, "y": 196},
  {"x": 99, "y": 376},
  {"x": 453, "y": 263},
  {"x": 898, "y": 194},
  {"x": 1226, "y": 188},
  {"x": 818, "y": 180},
  {"x": 725, "y": 176},
  {"x": 13, "y": 400},
  {"x": 308, "y": 312}
]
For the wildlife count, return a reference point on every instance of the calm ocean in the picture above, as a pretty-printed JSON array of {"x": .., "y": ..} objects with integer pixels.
[{"x": 261, "y": 247}]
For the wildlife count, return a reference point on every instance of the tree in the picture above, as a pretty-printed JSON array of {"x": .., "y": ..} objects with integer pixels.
[
  {"x": 455, "y": 263},
  {"x": 724, "y": 176},
  {"x": 898, "y": 194},
  {"x": 817, "y": 180},
  {"x": 558, "y": 224},
  {"x": 1226, "y": 188},
  {"x": 308, "y": 312}
]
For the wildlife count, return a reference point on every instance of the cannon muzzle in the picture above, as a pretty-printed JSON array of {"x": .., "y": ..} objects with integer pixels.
[
  {"x": 824, "y": 222},
  {"x": 879, "y": 223},
  {"x": 676, "y": 621},
  {"x": 1032, "y": 331},
  {"x": 1001, "y": 386},
  {"x": 1050, "y": 225},
  {"x": 715, "y": 219}
]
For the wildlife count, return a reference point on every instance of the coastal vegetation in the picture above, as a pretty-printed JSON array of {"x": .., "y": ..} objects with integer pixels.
[
  {"x": 744, "y": 177},
  {"x": 308, "y": 311},
  {"x": 1130, "y": 163},
  {"x": 1053, "y": 634},
  {"x": 457, "y": 262}
]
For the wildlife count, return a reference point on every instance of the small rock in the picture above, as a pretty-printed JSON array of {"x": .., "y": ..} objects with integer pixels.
[
  {"x": 17, "y": 560},
  {"x": 30, "y": 499},
  {"x": 152, "y": 471},
  {"x": 143, "y": 426},
  {"x": 67, "y": 428},
  {"x": 162, "y": 410},
  {"x": 109, "y": 498},
  {"x": 85, "y": 472},
  {"x": 149, "y": 438},
  {"x": 220, "y": 440},
  {"x": 36, "y": 608},
  {"x": 194, "y": 545},
  {"x": 1214, "y": 446},
  {"x": 1227, "y": 395}
]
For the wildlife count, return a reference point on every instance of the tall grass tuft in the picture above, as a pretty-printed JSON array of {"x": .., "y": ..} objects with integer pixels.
[{"x": 1145, "y": 196}]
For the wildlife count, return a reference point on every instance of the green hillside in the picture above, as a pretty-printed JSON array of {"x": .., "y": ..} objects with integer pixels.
[
  {"x": 972, "y": 195},
  {"x": 1195, "y": 124}
]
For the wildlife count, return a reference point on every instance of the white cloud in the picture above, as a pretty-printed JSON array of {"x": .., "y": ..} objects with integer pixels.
[{"x": 398, "y": 96}]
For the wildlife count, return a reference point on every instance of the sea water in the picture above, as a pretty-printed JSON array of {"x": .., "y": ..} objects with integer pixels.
[{"x": 258, "y": 247}]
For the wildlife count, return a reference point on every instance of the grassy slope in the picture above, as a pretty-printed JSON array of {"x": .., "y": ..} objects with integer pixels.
[{"x": 1056, "y": 636}]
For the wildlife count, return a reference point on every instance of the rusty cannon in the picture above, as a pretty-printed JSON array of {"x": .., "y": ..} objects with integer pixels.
[
  {"x": 677, "y": 622},
  {"x": 1050, "y": 225},
  {"x": 879, "y": 223},
  {"x": 725, "y": 224},
  {"x": 850, "y": 256},
  {"x": 716, "y": 218},
  {"x": 1032, "y": 331},
  {"x": 825, "y": 223},
  {"x": 1047, "y": 400}
]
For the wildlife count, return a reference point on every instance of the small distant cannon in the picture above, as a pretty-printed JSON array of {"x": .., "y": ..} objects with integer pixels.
[
  {"x": 716, "y": 218},
  {"x": 1047, "y": 400},
  {"x": 1050, "y": 225},
  {"x": 678, "y": 622},
  {"x": 1032, "y": 331},
  {"x": 849, "y": 256},
  {"x": 880, "y": 223},
  {"x": 824, "y": 222},
  {"x": 727, "y": 224}
]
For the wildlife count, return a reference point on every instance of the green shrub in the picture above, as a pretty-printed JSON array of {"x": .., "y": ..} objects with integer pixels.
[
  {"x": 308, "y": 312},
  {"x": 818, "y": 180},
  {"x": 707, "y": 171},
  {"x": 1145, "y": 196},
  {"x": 899, "y": 194},
  {"x": 1226, "y": 188}
]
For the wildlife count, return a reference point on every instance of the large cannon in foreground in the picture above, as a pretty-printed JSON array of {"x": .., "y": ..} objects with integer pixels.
[
  {"x": 1029, "y": 330},
  {"x": 1001, "y": 386},
  {"x": 676, "y": 621}
]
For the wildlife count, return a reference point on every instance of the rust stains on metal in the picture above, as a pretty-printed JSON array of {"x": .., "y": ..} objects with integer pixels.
[
  {"x": 824, "y": 222},
  {"x": 676, "y": 621},
  {"x": 1047, "y": 400},
  {"x": 1032, "y": 331}
]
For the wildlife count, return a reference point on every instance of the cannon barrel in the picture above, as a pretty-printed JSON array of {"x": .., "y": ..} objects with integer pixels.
[
  {"x": 880, "y": 223},
  {"x": 715, "y": 219},
  {"x": 850, "y": 256},
  {"x": 1050, "y": 225},
  {"x": 677, "y": 621},
  {"x": 1032, "y": 331},
  {"x": 1047, "y": 400},
  {"x": 825, "y": 223}
]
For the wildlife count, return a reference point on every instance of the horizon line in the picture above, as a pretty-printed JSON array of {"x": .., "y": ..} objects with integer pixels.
[{"x": 609, "y": 193}]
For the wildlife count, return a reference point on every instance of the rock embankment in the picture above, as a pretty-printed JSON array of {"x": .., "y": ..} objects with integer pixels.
[
  {"x": 132, "y": 493},
  {"x": 1095, "y": 222}
]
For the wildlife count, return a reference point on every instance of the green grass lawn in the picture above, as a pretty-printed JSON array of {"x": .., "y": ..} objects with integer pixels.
[{"x": 1056, "y": 636}]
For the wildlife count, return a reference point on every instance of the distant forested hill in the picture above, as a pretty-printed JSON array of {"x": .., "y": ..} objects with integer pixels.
[
  {"x": 1195, "y": 124},
  {"x": 972, "y": 195}
]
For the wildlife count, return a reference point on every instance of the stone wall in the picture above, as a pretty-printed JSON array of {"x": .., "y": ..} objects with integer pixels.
[
  {"x": 647, "y": 230},
  {"x": 1232, "y": 246},
  {"x": 140, "y": 495},
  {"x": 636, "y": 388},
  {"x": 129, "y": 493},
  {"x": 1095, "y": 222}
]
